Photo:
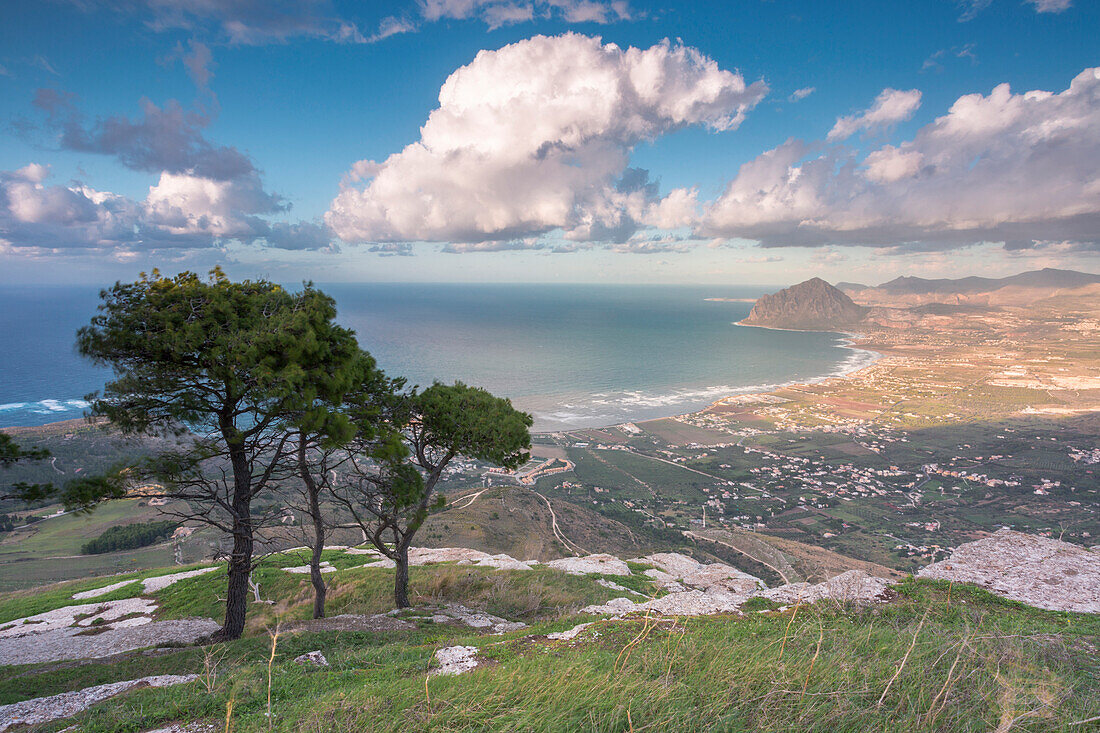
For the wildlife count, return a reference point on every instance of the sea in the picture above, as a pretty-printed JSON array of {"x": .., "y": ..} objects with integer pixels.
[{"x": 574, "y": 356}]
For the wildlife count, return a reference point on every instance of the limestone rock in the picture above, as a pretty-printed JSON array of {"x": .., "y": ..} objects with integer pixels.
[
  {"x": 315, "y": 658},
  {"x": 64, "y": 643},
  {"x": 152, "y": 585},
  {"x": 56, "y": 707},
  {"x": 456, "y": 660},
  {"x": 681, "y": 569},
  {"x": 570, "y": 634},
  {"x": 326, "y": 567},
  {"x": 854, "y": 586},
  {"x": 1039, "y": 571}
]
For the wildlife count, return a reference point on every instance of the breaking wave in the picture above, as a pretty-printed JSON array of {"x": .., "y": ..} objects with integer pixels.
[{"x": 44, "y": 407}]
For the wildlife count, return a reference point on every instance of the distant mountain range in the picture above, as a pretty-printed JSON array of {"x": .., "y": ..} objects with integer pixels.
[
  {"x": 1045, "y": 279},
  {"x": 813, "y": 305}
]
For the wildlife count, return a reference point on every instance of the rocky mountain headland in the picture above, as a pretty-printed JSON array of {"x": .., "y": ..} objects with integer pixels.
[{"x": 813, "y": 305}]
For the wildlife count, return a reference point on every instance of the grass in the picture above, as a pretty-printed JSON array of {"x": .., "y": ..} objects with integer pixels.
[
  {"x": 976, "y": 663},
  {"x": 525, "y": 595}
]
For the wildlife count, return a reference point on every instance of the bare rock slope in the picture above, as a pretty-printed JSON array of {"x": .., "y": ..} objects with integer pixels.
[{"x": 1038, "y": 571}]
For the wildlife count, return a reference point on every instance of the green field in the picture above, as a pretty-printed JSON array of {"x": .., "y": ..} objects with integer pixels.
[{"x": 49, "y": 550}]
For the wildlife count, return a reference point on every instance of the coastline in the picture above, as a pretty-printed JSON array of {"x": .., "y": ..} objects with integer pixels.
[
  {"x": 875, "y": 358},
  {"x": 861, "y": 359}
]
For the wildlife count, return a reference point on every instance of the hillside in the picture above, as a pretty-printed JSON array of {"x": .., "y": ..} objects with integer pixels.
[
  {"x": 517, "y": 521},
  {"x": 813, "y": 305},
  {"x": 659, "y": 643}
]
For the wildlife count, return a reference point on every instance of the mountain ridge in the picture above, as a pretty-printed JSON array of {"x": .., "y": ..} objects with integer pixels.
[{"x": 1048, "y": 277}]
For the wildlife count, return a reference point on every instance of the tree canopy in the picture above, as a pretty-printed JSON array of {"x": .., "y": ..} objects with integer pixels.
[{"x": 391, "y": 485}]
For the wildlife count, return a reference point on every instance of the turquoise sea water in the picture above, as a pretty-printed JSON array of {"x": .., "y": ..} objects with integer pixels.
[{"x": 572, "y": 355}]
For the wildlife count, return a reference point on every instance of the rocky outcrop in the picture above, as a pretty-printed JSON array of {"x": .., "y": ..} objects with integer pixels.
[
  {"x": 56, "y": 707},
  {"x": 148, "y": 585},
  {"x": 313, "y": 659},
  {"x": 854, "y": 586},
  {"x": 78, "y": 643},
  {"x": 813, "y": 305},
  {"x": 674, "y": 571},
  {"x": 1038, "y": 571}
]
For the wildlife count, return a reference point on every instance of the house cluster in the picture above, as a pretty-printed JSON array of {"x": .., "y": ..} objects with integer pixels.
[
  {"x": 935, "y": 469},
  {"x": 925, "y": 552},
  {"x": 529, "y": 473},
  {"x": 843, "y": 481},
  {"x": 1087, "y": 456}
]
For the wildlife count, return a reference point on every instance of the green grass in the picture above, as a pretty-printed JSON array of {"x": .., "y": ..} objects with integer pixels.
[{"x": 975, "y": 662}]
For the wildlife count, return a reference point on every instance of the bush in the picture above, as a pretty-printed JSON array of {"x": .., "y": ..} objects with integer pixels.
[{"x": 128, "y": 537}]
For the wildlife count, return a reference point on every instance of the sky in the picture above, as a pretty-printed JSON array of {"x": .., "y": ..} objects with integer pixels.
[{"x": 619, "y": 141}]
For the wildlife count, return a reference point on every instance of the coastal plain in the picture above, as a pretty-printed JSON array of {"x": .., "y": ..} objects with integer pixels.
[{"x": 975, "y": 417}]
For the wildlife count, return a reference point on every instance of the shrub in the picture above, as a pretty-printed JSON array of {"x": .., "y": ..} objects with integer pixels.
[{"x": 128, "y": 537}]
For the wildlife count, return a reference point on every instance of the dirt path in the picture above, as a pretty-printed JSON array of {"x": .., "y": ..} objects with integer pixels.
[
  {"x": 472, "y": 498},
  {"x": 765, "y": 563},
  {"x": 570, "y": 546}
]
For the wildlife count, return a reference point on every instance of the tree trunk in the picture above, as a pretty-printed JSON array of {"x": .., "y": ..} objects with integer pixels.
[
  {"x": 317, "y": 579},
  {"x": 401, "y": 576},
  {"x": 314, "y": 491},
  {"x": 240, "y": 561},
  {"x": 240, "y": 565}
]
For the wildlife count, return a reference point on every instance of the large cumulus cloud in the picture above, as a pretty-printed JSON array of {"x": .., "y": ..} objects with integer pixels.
[
  {"x": 1004, "y": 167},
  {"x": 536, "y": 136}
]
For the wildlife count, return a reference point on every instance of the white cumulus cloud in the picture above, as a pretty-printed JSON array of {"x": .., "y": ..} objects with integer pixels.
[
  {"x": 536, "y": 136},
  {"x": 1003, "y": 167}
]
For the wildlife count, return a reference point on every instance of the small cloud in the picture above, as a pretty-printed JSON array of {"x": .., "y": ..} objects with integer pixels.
[
  {"x": 935, "y": 61},
  {"x": 44, "y": 63},
  {"x": 1051, "y": 6},
  {"x": 760, "y": 260},
  {"x": 891, "y": 106},
  {"x": 828, "y": 257},
  {"x": 197, "y": 60},
  {"x": 509, "y": 245},
  {"x": 392, "y": 26},
  {"x": 392, "y": 249},
  {"x": 971, "y": 8},
  {"x": 800, "y": 94},
  {"x": 498, "y": 13}
]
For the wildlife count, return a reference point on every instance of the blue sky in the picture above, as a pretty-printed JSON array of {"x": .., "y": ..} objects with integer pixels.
[{"x": 187, "y": 133}]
